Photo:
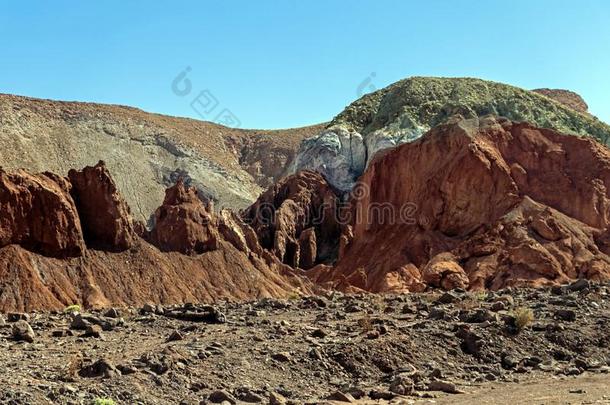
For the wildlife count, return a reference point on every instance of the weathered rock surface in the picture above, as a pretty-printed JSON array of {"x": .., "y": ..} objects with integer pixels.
[
  {"x": 479, "y": 204},
  {"x": 184, "y": 223},
  {"x": 404, "y": 111},
  {"x": 566, "y": 97},
  {"x": 296, "y": 219},
  {"x": 105, "y": 217},
  {"x": 38, "y": 213}
]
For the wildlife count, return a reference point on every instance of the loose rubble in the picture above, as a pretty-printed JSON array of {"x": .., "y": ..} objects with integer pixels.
[{"x": 334, "y": 348}]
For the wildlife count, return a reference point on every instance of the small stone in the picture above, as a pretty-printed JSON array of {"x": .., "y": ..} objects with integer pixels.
[
  {"x": 437, "y": 314},
  {"x": 282, "y": 357},
  {"x": 577, "y": 391},
  {"x": 276, "y": 399},
  {"x": 509, "y": 362},
  {"x": 402, "y": 385},
  {"x": 93, "y": 331},
  {"x": 373, "y": 334},
  {"x": 23, "y": 331},
  {"x": 444, "y": 386},
  {"x": 246, "y": 395},
  {"x": 565, "y": 315},
  {"x": 101, "y": 368},
  {"x": 448, "y": 298},
  {"x": 62, "y": 333},
  {"x": 2, "y": 321},
  {"x": 113, "y": 313},
  {"x": 381, "y": 394},
  {"x": 176, "y": 335},
  {"x": 341, "y": 397},
  {"x": 148, "y": 309},
  {"x": 319, "y": 333},
  {"x": 579, "y": 285},
  {"x": 79, "y": 323},
  {"x": 220, "y": 396},
  {"x": 17, "y": 316}
]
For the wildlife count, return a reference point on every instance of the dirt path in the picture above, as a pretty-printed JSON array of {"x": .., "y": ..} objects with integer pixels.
[{"x": 585, "y": 389}]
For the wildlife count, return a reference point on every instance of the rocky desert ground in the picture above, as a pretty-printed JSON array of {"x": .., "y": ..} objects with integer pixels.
[{"x": 450, "y": 347}]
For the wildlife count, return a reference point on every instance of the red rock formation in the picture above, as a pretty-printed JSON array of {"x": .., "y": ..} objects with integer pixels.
[
  {"x": 566, "y": 97},
  {"x": 298, "y": 202},
  {"x": 38, "y": 213},
  {"x": 184, "y": 223},
  {"x": 104, "y": 214},
  {"x": 479, "y": 206}
]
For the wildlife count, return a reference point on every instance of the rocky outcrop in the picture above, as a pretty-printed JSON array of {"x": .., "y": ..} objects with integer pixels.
[
  {"x": 105, "y": 217},
  {"x": 183, "y": 223},
  {"x": 340, "y": 154},
  {"x": 566, "y": 97},
  {"x": 297, "y": 220},
  {"x": 404, "y": 111},
  {"x": 40, "y": 231},
  {"x": 479, "y": 204},
  {"x": 38, "y": 213}
]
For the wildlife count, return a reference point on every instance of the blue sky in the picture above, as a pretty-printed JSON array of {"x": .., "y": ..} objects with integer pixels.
[{"x": 277, "y": 64}]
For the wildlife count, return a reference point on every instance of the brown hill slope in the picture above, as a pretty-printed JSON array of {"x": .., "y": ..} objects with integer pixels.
[{"x": 145, "y": 152}]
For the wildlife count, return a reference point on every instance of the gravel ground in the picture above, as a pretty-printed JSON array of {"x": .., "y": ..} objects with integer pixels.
[{"x": 452, "y": 347}]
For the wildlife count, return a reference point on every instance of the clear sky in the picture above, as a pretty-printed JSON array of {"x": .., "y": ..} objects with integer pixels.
[{"x": 277, "y": 64}]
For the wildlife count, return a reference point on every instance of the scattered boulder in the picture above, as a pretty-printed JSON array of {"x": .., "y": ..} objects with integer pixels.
[
  {"x": 100, "y": 368},
  {"x": 21, "y": 330},
  {"x": 220, "y": 396}
]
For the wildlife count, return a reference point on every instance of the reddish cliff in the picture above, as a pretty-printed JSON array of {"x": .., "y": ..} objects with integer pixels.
[
  {"x": 478, "y": 205},
  {"x": 184, "y": 223},
  {"x": 104, "y": 214},
  {"x": 38, "y": 213},
  {"x": 40, "y": 226},
  {"x": 296, "y": 219}
]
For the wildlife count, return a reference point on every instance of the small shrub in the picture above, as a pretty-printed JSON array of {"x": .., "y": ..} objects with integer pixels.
[
  {"x": 103, "y": 401},
  {"x": 523, "y": 317},
  {"x": 481, "y": 295},
  {"x": 294, "y": 295},
  {"x": 72, "y": 308}
]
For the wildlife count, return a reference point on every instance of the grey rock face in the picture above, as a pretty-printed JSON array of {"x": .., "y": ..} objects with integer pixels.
[{"x": 339, "y": 154}]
